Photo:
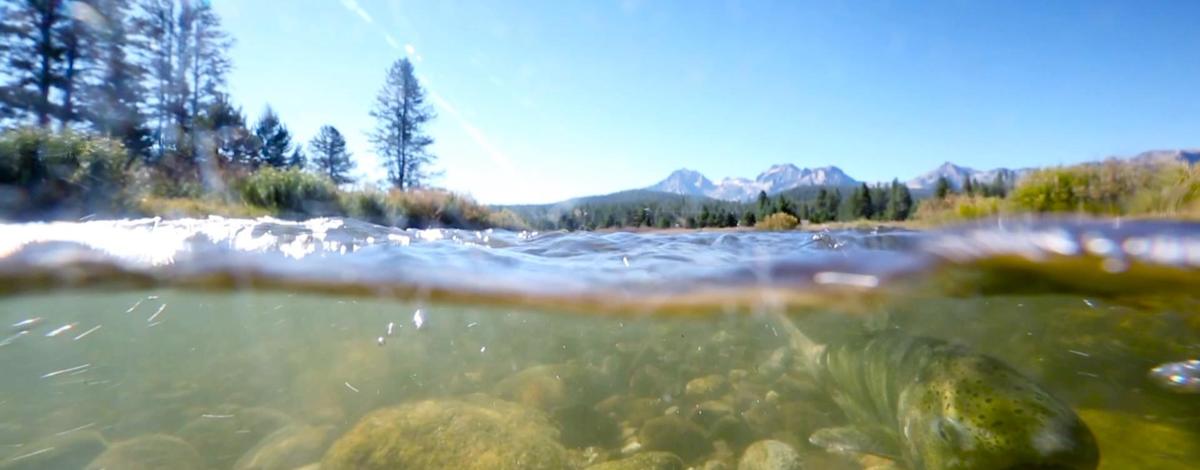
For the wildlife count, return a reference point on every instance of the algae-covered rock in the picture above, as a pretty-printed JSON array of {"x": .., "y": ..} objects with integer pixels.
[
  {"x": 674, "y": 434},
  {"x": 223, "y": 434},
  {"x": 643, "y": 461},
  {"x": 153, "y": 452},
  {"x": 475, "y": 432},
  {"x": 583, "y": 426},
  {"x": 547, "y": 387},
  {"x": 71, "y": 450},
  {"x": 1129, "y": 441},
  {"x": 770, "y": 455},
  {"x": 287, "y": 448},
  {"x": 705, "y": 388}
]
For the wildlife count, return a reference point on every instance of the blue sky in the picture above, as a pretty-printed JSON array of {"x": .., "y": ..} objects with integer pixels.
[{"x": 541, "y": 100}]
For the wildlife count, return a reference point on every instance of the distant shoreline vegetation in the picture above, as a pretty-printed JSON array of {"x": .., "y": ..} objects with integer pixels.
[
  {"x": 46, "y": 175},
  {"x": 1109, "y": 188},
  {"x": 1152, "y": 189}
]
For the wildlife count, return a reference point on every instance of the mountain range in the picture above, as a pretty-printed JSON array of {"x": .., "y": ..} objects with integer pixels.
[{"x": 780, "y": 178}]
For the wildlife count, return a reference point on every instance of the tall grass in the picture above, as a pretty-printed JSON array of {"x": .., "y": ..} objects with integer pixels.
[{"x": 290, "y": 192}]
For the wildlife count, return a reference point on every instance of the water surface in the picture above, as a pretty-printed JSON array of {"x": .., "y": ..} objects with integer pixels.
[{"x": 260, "y": 343}]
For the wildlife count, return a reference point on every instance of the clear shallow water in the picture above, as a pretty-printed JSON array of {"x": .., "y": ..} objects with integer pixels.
[{"x": 259, "y": 344}]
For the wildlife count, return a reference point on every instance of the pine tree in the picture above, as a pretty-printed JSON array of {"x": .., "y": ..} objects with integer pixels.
[
  {"x": 784, "y": 205},
  {"x": 942, "y": 188},
  {"x": 879, "y": 200},
  {"x": 31, "y": 37},
  {"x": 860, "y": 203},
  {"x": 113, "y": 91},
  {"x": 764, "y": 205},
  {"x": 275, "y": 138},
  {"x": 298, "y": 159},
  {"x": 184, "y": 51},
  {"x": 76, "y": 43},
  {"x": 330, "y": 157},
  {"x": 233, "y": 143},
  {"x": 899, "y": 202},
  {"x": 969, "y": 186},
  {"x": 399, "y": 134},
  {"x": 748, "y": 219},
  {"x": 999, "y": 188}
]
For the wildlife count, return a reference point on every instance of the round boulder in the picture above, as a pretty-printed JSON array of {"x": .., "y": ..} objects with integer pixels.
[
  {"x": 643, "y": 461},
  {"x": 476, "y": 432},
  {"x": 770, "y": 455},
  {"x": 153, "y": 452}
]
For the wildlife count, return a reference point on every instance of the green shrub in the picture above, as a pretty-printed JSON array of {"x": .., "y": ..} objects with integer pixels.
[
  {"x": 196, "y": 207},
  {"x": 290, "y": 192},
  {"x": 778, "y": 221},
  {"x": 44, "y": 174},
  {"x": 1174, "y": 191},
  {"x": 506, "y": 219},
  {"x": 1102, "y": 188},
  {"x": 369, "y": 205}
]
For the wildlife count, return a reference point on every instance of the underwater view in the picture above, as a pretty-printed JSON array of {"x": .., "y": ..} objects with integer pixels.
[{"x": 215, "y": 344}]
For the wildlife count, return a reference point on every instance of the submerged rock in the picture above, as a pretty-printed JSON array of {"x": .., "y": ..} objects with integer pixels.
[
  {"x": 583, "y": 426},
  {"x": 287, "y": 448},
  {"x": 643, "y": 461},
  {"x": 223, "y": 434},
  {"x": 705, "y": 388},
  {"x": 674, "y": 434},
  {"x": 770, "y": 455},
  {"x": 153, "y": 452},
  {"x": 71, "y": 450},
  {"x": 1130, "y": 441},
  {"x": 546, "y": 387},
  {"x": 476, "y": 432}
]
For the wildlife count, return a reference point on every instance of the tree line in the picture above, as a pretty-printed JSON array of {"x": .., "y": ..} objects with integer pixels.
[
  {"x": 152, "y": 75},
  {"x": 883, "y": 202}
]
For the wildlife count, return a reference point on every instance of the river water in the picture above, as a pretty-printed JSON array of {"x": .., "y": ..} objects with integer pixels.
[{"x": 266, "y": 344}]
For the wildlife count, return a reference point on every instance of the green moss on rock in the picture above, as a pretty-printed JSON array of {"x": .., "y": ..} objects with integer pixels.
[{"x": 475, "y": 432}]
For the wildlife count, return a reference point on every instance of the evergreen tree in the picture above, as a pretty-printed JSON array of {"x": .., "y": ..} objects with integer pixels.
[
  {"x": 330, "y": 156},
  {"x": 833, "y": 202},
  {"x": 184, "y": 53},
  {"x": 748, "y": 219},
  {"x": 76, "y": 43},
  {"x": 233, "y": 143},
  {"x": 784, "y": 205},
  {"x": 998, "y": 187},
  {"x": 969, "y": 186},
  {"x": 297, "y": 160},
  {"x": 942, "y": 188},
  {"x": 879, "y": 200},
  {"x": 818, "y": 214},
  {"x": 31, "y": 40},
  {"x": 275, "y": 138},
  {"x": 764, "y": 205},
  {"x": 729, "y": 219},
  {"x": 113, "y": 91},
  {"x": 399, "y": 134},
  {"x": 899, "y": 202},
  {"x": 859, "y": 204}
]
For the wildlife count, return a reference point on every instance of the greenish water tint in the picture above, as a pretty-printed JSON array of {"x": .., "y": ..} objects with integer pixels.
[{"x": 263, "y": 344}]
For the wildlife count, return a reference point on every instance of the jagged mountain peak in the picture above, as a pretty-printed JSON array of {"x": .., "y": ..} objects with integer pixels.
[{"x": 775, "y": 179}]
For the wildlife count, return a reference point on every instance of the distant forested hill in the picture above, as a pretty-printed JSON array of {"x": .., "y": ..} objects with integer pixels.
[{"x": 646, "y": 208}]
